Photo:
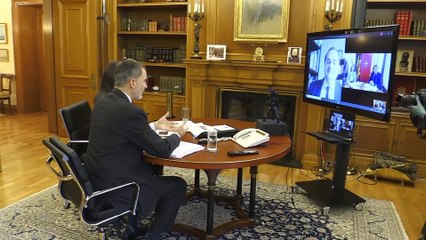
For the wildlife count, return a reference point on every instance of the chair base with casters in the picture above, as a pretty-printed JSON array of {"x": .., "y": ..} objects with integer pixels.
[{"x": 94, "y": 209}]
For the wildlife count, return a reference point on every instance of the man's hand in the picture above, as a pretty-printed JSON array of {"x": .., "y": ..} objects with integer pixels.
[
  {"x": 163, "y": 123},
  {"x": 179, "y": 129},
  {"x": 417, "y": 110}
]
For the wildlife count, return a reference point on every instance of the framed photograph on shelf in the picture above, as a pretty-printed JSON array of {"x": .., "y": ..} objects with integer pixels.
[
  {"x": 294, "y": 55},
  {"x": 216, "y": 52},
  {"x": 4, "y": 55},
  {"x": 404, "y": 61},
  {"x": 261, "y": 21},
  {"x": 3, "y": 33}
]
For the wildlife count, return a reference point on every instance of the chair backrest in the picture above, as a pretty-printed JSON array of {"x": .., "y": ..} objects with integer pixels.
[
  {"x": 6, "y": 82},
  {"x": 76, "y": 119},
  {"x": 75, "y": 165},
  {"x": 68, "y": 187}
]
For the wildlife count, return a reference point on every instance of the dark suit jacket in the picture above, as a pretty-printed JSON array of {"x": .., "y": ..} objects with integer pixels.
[
  {"x": 119, "y": 134},
  {"x": 377, "y": 80},
  {"x": 315, "y": 89}
]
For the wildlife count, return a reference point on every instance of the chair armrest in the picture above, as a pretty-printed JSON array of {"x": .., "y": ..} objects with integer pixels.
[
  {"x": 130, "y": 184},
  {"x": 59, "y": 176},
  {"x": 79, "y": 141}
]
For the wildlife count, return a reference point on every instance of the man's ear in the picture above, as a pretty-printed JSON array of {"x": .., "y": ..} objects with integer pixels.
[{"x": 132, "y": 83}]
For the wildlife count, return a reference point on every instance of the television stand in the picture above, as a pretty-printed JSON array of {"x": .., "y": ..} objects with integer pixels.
[{"x": 333, "y": 192}]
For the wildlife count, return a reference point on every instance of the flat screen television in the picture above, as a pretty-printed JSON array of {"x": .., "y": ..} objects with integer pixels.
[{"x": 352, "y": 70}]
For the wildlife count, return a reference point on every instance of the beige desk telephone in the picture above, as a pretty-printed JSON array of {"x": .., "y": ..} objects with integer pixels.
[{"x": 250, "y": 137}]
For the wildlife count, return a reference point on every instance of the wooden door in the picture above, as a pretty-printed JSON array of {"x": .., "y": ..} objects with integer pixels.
[{"x": 76, "y": 51}]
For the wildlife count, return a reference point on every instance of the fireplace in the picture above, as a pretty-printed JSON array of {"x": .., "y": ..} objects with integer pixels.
[{"x": 249, "y": 105}]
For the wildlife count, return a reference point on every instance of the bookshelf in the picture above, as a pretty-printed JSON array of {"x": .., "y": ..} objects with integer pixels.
[
  {"x": 398, "y": 136},
  {"x": 411, "y": 15},
  {"x": 155, "y": 33}
]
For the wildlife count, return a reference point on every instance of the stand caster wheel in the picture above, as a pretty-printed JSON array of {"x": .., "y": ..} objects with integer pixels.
[
  {"x": 325, "y": 211},
  {"x": 359, "y": 206},
  {"x": 67, "y": 204},
  {"x": 295, "y": 189}
]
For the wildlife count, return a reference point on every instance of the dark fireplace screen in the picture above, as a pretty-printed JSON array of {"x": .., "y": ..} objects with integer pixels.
[{"x": 249, "y": 106}]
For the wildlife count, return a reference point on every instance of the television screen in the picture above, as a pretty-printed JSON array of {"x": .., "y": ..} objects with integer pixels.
[{"x": 352, "y": 69}]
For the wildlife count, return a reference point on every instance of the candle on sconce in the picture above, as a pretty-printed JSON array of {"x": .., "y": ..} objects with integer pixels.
[
  {"x": 197, "y": 6},
  {"x": 202, "y": 6},
  {"x": 341, "y": 5},
  {"x": 189, "y": 7},
  {"x": 327, "y": 5},
  {"x": 332, "y": 4}
]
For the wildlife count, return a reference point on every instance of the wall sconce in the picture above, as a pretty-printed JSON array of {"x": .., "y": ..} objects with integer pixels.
[
  {"x": 333, "y": 12},
  {"x": 196, "y": 15}
]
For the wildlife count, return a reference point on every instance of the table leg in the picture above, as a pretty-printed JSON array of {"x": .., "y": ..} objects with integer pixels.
[
  {"x": 197, "y": 179},
  {"x": 212, "y": 177},
  {"x": 253, "y": 173},
  {"x": 240, "y": 182}
]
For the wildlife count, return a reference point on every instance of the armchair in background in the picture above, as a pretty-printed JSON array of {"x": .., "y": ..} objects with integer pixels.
[
  {"x": 6, "y": 90},
  {"x": 94, "y": 207}
]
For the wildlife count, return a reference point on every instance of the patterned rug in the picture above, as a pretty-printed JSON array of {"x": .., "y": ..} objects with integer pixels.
[{"x": 280, "y": 214}]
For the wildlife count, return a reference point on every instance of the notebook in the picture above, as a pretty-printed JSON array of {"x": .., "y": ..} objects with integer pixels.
[{"x": 341, "y": 127}]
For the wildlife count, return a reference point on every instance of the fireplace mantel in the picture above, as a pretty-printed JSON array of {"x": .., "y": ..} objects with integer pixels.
[{"x": 205, "y": 78}]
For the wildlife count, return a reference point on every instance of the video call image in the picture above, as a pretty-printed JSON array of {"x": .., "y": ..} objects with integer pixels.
[
  {"x": 339, "y": 124},
  {"x": 361, "y": 71}
]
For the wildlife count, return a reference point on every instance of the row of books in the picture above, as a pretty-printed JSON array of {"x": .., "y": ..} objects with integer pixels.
[
  {"x": 404, "y": 18},
  {"x": 176, "y": 24},
  {"x": 175, "y": 84},
  {"x": 418, "y": 27},
  {"x": 144, "y": 53},
  {"x": 419, "y": 64}
]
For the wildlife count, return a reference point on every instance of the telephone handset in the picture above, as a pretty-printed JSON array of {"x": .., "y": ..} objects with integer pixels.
[{"x": 250, "y": 137}]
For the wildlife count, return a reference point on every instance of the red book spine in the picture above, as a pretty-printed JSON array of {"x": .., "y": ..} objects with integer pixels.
[{"x": 398, "y": 18}]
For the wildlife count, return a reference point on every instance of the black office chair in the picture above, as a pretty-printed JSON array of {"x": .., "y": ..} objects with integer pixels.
[
  {"x": 94, "y": 208},
  {"x": 67, "y": 186},
  {"x": 76, "y": 118}
]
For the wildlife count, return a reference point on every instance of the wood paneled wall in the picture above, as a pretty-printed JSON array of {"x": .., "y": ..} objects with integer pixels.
[{"x": 239, "y": 71}]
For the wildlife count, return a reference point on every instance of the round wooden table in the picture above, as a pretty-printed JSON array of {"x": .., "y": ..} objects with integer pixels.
[{"x": 212, "y": 163}]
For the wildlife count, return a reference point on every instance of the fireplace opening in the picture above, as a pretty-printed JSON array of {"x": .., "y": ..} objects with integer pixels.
[{"x": 251, "y": 105}]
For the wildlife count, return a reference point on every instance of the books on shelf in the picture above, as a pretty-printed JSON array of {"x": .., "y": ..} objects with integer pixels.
[
  {"x": 418, "y": 28},
  {"x": 419, "y": 64},
  {"x": 404, "y": 18}
]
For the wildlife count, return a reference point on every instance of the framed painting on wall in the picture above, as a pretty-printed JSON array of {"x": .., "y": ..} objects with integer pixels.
[
  {"x": 4, "y": 55},
  {"x": 3, "y": 33},
  {"x": 261, "y": 21}
]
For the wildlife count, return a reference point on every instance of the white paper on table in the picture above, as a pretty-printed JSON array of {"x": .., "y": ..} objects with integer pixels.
[{"x": 186, "y": 148}]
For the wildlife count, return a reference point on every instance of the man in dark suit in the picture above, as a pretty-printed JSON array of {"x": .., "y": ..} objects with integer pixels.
[
  {"x": 119, "y": 135},
  {"x": 376, "y": 79},
  {"x": 328, "y": 87}
]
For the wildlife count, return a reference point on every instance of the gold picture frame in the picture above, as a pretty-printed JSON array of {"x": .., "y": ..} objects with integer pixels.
[
  {"x": 3, "y": 33},
  {"x": 261, "y": 21},
  {"x": 4, "y": 55}
]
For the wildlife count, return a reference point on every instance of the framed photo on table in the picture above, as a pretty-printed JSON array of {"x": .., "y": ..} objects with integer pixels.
[
  {"x": 3, "y": 33},
  {"x": 261, "y": 21},
  {"x": 294, "y": 55},
  {"x": 404, "y": 61},
  {"x": 216, "y": 52}
]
